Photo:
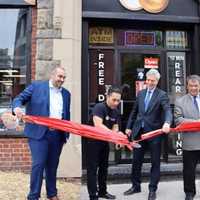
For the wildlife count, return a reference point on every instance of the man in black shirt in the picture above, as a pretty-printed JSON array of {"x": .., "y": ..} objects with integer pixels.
[{"x": 104, "y": 115}]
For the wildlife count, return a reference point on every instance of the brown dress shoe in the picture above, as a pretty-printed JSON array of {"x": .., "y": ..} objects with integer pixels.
[{"x": 54, "y": 198}]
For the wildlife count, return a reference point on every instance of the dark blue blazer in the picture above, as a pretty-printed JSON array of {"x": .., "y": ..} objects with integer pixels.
[
  {"x": 36, "y": 99},
  {"x": 157, "y": 113}
]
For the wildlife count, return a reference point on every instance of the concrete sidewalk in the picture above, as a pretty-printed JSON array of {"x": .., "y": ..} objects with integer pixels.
[{"x": 167, "y": 190}]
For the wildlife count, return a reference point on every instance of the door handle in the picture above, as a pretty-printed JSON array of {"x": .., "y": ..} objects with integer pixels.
[{"x": 122, "y": 107}]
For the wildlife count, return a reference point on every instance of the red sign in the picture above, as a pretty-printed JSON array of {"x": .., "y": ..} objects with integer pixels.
[
  {"x": 137, "y": 38},
  {"x": 151, "y": 63}
]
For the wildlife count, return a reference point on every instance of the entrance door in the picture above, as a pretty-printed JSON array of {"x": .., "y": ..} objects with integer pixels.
[{"x": 132, "y": 69}]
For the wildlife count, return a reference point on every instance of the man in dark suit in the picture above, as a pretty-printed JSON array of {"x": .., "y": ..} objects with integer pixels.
[
  {"x": 151, "y": 111},
  {"x": 49, "y": 99}
]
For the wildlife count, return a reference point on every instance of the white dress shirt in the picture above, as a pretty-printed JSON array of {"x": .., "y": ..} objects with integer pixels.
[{"x": 55, "y": 101}]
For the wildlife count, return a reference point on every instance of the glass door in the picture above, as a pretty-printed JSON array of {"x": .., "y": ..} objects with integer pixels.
[{"x": 133, "y": 67}]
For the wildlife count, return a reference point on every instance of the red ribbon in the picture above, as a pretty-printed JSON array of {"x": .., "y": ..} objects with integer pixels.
[
  {"x": 82, "y": 130},
  {"x": 183, "y": 127},
  {"x": 103, "y": 134}
]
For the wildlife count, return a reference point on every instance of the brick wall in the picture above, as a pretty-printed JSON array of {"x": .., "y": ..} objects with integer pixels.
[{"x": 14, "y": 154}]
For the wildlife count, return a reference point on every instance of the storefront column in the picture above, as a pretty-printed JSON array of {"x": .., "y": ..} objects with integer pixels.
[{"x": 59, "y": 44}]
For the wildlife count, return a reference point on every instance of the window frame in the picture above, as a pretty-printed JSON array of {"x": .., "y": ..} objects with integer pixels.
[{"x": 28, "y": 49}]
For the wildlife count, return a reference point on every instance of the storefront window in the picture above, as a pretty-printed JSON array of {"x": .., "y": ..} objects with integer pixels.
[
  {"x": 13, "y": 55},
  {"x": 176, "y": 39},
  {"x": 137, "y": 38}
]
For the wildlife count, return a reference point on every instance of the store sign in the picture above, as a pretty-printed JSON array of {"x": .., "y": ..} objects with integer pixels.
[
  {"x": 101, "y": 35},
  {"x": 179, "y": 143},
  {"x": 150, "y": 63},
  {"x": 101, "y": 71},
  {"x": 152, "y": 6},
  {"x": 101, "y": 77},
  {"x": 176, "y": 80},
  {"x": 137, "y": 38},
  {"x": 176, "y": 85}
]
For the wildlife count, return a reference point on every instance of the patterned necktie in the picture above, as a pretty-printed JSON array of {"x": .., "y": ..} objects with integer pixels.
[
  {"x": 195, "y": 103},
  {"x": 147, "y": 99}
]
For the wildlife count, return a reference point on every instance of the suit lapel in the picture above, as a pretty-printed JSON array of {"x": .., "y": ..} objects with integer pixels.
[
  {"x": 64, "y": 103},
  {"x": 152, "y": 100},
  {"x": 47, "y": 95}
]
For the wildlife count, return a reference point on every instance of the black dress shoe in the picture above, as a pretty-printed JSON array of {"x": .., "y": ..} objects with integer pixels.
[
  {"x": 189, "y": 197},
  {"x": 132, "y": 190},
  {"x": 107, "y": 196},
  {"x": 152, "y": 196}
]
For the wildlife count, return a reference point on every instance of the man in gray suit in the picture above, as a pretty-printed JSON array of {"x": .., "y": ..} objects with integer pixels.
[{"x": 187, "y": 110}]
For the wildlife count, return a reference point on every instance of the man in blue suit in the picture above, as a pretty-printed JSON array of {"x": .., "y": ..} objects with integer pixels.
[
  {"x": 151, "y": 111},
  {"x": 48, "y": 99}
]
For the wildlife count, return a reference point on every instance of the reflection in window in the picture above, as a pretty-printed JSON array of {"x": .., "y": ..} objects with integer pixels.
[{"x": 13, "y": 55}]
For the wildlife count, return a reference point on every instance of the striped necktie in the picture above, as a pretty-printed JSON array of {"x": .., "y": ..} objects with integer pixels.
[
  {"x": 147, "y": 99},
  {"x": 195, "y": 103}
]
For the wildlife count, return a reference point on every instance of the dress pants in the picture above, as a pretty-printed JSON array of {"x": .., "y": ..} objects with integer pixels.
[
  {"x": 45, "y": 158},
  {"x": 190, "y": 160},
  {"x": 154, "y": 146},
  {"x": 97, "y": 167}
]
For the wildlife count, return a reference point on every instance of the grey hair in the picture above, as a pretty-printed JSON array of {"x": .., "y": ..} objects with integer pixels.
[
  {"x": 193, "y": 77},
  {"x": 153, "y": 72}
]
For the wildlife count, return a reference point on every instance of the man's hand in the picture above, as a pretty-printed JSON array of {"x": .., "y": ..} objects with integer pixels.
[
  {"x": 18, "y": 112},
  {"x": 128, "y": 132},
  {"x": 166, "y": 128}
]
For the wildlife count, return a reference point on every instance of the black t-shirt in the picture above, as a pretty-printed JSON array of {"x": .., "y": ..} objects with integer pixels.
[{"x": 109, "y": 116}]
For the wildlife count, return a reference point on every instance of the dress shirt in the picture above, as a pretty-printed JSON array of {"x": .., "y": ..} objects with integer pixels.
[{"x": 56, "y": 101}]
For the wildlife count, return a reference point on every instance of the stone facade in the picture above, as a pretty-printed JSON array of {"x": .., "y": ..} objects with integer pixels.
[
  {"x": 58, "y": 43},
  {"x": 45, "y": 35}
]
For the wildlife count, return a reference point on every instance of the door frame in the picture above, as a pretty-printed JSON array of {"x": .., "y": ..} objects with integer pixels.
[{"x": 162, "y": 85}]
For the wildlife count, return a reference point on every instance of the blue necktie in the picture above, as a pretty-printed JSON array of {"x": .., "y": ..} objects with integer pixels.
[
  {"x": 195, "y": 103},
  {"x": 147, "y": 99}
]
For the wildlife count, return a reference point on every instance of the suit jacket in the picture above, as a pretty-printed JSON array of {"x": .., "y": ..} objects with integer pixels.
[
  {"x": 185, "y": 111},
  {"x": 36, "y": 98},
  {"x": 153, "y": 118}
]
